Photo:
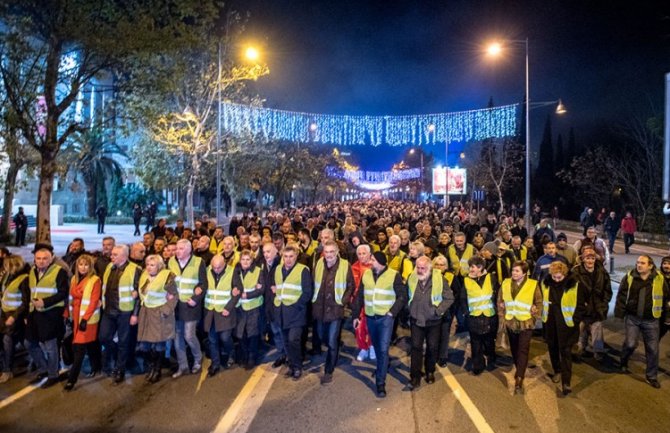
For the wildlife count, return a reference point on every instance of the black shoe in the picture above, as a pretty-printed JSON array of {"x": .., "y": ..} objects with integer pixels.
[
  {"x": 414, "y": 383},
  {"x": 315, "y": 352},
  {"x": 250, "y": 365},
  {"x": 326, "y": 378},
  {"x": 297, "y": 374},
  {"x": 442, "y": 362},
  {"x": 654, "y": 383},
  {"x": 566, "y": 389},
  {"x": 518, "y": 385},
  {"x": 477, "y": 372},
  {"x": 212, "y": 371},
  {"x": 38, "y": 378},
  {"x": 556, "y": 377},
  {"x": 279, "y": 362},
  {"x": 289, "y": 372},
  {"x": 69, "y": 386},
  {"x": 49, "y": 383},
  {"x": 381, "y": 391},
  {"x": 430, "y": 378},
  {"x": 92, "y": 374},
  {"x": 120, "y": 376}
]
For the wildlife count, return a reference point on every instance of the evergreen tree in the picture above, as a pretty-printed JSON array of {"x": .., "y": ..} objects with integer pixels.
[
  {"x": 560, "y": 161},
  {"x": 544, "y": 174}
]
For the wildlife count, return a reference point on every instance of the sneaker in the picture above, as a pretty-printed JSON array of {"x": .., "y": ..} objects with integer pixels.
[
  {"x": 654, "y": 383},
  {"x": 566, "y": 389},
  {"x": 6, "y": 376},
  {"x": 196, "y": 369},
  {"x": 179, "y": 373},
  {"x": 297, "y": 373},
  {"x": 381, "y": 391},
  {"x": 49, "y": 382},
  {"x": 38, "y": 378},
  {"x": 373, "y": 356},
  {"x": 362, "y": 355}
]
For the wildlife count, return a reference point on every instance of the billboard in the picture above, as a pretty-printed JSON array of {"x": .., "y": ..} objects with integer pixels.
[{"x": 456, "y": 178}]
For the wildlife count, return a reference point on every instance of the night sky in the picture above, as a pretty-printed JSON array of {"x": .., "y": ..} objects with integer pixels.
[{"x": 606, "y": 60}]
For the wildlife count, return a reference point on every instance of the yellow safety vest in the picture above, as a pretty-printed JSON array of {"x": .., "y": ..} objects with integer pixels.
[
  {"x": 518, "y": 308},
  {"x": 233, "y": 260},
  {"x": 379, "y": 295},
  {"x": 436, "y": 292},
  {"x": 11, "y": 296},
  {"x": 480, "y": 298},
  {"x": 218, "y": 295},
  {"x": 523, "y": 253},
  {"x": 154, "y": 294},
  {"x": 126, "y": 286},
  {"x": 289, "y": 290},
  {"x": 656, "y": 294},
  {"x": 568, "y": 304},
  {"x": 188, "y": 279},
  {"x": 449, "y": 277},
  {"x": 250, "y": 281},
  {"x": 460, "y": 265},
  {"x": 340, "y": 279},
  {"x": 86, "y": 301},
  {"x": 44, "y": 288},
  {"x": 313, "y": 245},
  {"x": 215, "y": 247}
]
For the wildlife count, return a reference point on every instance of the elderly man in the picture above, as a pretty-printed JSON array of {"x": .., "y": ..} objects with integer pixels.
[
  {"x": 333, "y": 286},
  {"x": 268, "y": 268},
  {"x": 119, "y": 295},
  {"x": 429, "y": 299},
  {"x": 49, "y": 288},
  {"x": 292, "y": 290},
  {"x": 459, "y": 254},
  {"x": 105, "y": 256},
  {"x": 202, "y": 250},
  {"x": 383, "y": 295},
  {"x": 396, "y": 258},
  {"x": 138, "y": 252},
  {"x": 363, "y": 254},
  {"x": 230, "y": 255},
  {"x": 191, "y": 284}
]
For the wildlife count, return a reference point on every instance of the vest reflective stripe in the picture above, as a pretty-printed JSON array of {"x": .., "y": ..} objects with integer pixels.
[
  {"x": 436, "y": 289},
  {"x": 340, "y": 279},
  {"x": 11, "y": 296},
  {"x": 86, "y": 301},
  {"x": 460, "y": 265},
  {"x": 126, "y": 286},
  {"x": 250, "y": 281},
  {"x": 568, "y": 304},
  {"x": 154, "y": 294},
  {"x": 187, "y": 279},
  {"x": 45, "y": 287},
  {"x": 480, "y": 298},
  {"x": 656, "y": 294},
  {"x": 379, "y": 295},
  {"x": 518, "y": 308},
  {"x": 289, "y": 290},
  {"x": 218, "y": 295}
]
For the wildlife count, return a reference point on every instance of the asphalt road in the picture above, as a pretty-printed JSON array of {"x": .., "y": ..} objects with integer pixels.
[{"x": 264, "y": 401}]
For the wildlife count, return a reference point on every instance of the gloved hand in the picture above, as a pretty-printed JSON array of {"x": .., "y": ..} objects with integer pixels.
[{"x": 82, "y": 325}]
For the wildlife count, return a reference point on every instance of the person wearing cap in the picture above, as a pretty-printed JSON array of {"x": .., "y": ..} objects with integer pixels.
[
  {"x": 381, "y": 242},
  {"x": 594, "y": 280},
  {"x": 119, "y": 295},
  {"x": 478, "y": 295},
  {"x": 641, "y": 301},
  {"x": 429, "y": 300},
  {"x": 383, "y": 296},
  {"x": 565, "y": 250},
  {"x": 15, "y": 302},
  {"x": 494, "y": 264},
  {"x": 519, "y": 307},
  {"x": 49, "y": 288}
]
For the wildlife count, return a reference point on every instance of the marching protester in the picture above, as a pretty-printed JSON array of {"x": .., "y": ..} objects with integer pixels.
[{"x": 15, "y": 301}]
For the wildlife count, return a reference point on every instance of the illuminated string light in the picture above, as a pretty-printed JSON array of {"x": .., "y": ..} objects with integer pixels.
[{"x": 463, "y": 126}]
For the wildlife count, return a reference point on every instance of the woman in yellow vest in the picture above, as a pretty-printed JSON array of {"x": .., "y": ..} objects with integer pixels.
[
  {"x": 246, "y": 279},
  {"x": 156, "y": 313},
  {"x": 519, "y": 306},
  {"x": 15, "y": 302},
  {"x": 84, "y": 310},
  {"x": 563, "y": 307},
  {"x": 441, "y": 263},
  {"x": 479, "y": 292}
]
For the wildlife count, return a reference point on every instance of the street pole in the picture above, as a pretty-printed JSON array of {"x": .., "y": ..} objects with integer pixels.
[
  {"x": 527, "y": 214},
  {"x": 218, "y": 143},
  {"x": 421, "y": 174},
  {"x": 446, "y": 173}
]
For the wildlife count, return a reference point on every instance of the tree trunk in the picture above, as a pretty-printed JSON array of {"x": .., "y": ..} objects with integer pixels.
[
  {"x": 47, "y": 170},
  {"x": 91, "y": 193},
  {"x": 189, "y": 201},
  {"x": 500, "y": 197},
  {"x": 181, "y": 204},
  {"x": 10, "y": 185}
]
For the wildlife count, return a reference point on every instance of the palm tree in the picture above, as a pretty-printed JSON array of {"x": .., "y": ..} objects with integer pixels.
[{"x": 94, "y": 156}]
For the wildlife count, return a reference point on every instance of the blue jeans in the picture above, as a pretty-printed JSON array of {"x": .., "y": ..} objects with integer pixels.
[
  {"x": 329, "y": 332},
  {"x": 381, "y": 328},
  {"x": 226, "y": 339},
  {"x": 278, "y": 338},
  {"x": 186, "y": 335},
  {"x": 649, "y": 328},
  {"x": 111, "y": 324},
  {"x": 45, "y": 356}
]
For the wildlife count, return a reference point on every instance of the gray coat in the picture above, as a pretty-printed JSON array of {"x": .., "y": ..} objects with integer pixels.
[{"x": 156, "y": 325}]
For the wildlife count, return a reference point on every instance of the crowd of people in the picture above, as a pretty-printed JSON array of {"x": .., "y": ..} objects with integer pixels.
[{"x": 292, "y": 279}]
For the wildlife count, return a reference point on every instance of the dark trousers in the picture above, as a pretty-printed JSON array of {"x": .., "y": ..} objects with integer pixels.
[
  {"x": 560, "y": 340},
  {"x": 291, "y": 339},
  {"x": 480, "y": 345},
  {"x": 330, "y": 333},
  {"x": 7, "y": 352},
  {"x": 137, "y": 228},
  {"x": 216, "y": 341},
  {"x": 431, "y": 335},
  {"x": 611, "y": 237},
  {"x": 628, "y": 240},
  {"x": 445, "y": 332},
  {"x": 519, "y": 343},
  {"x": 94, "y": 356},
  {"x": 649, "y": 329},
  {"x": 111, "y": 324},
  {"x": 21, "y": 236},
  {"x": 380, "y": 328},
  {"x": 101, "y": 225}
]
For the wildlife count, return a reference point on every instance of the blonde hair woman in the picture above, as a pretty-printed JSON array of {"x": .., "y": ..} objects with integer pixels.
[{"x": 15, "y": 303}]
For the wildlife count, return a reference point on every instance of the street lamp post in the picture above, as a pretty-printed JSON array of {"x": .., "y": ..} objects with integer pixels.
[{"x": 421, "y": 174}]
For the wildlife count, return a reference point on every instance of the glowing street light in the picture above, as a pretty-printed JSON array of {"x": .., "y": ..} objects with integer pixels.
[{"x": 252, "y": 53}]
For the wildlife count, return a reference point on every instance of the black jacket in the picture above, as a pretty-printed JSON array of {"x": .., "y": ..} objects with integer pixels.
[
  {"x": 597, "y": 289},
  {"x": 628, "y": 296}
]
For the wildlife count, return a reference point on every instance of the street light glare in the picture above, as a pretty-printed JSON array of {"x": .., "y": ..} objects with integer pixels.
[
  {"x": 560, "y": 108},
  {"x": 251, "y": 53},
  {"x": 494, "y": 49}
]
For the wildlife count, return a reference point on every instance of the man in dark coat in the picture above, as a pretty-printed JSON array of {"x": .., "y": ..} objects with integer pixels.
[
  {"x": 21, "y": 227},
  {"x": 101, "y": 213}
]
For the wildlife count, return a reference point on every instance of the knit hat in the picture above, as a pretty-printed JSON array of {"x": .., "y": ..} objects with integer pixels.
[
  {"x": 503, "y": 246},
  {"x": 380, "y": 257},
  {"x": 43, "y": 246},
  {"x": 491, "y": 247},
  {"x": 561, "y": 236}
]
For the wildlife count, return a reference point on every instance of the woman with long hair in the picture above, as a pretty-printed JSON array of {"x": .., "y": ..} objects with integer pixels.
[{"x": 15, "y": 303}]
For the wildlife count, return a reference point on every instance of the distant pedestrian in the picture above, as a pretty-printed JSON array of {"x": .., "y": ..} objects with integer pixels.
[
  {"x": 101, "y": 213},
  {"x": 666, "y": 213},
  {"x": 587, "y": 219},
  {"x": 150, "y": 215},
  {"x": 137, "y": 218},
  {"x": 611, "y": 226},
  {"x": 21, "y": 227},
  {"x": 628, "y": 227}
]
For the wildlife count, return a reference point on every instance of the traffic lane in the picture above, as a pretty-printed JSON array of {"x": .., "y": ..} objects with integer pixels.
[
  {"x": 349, "y": 403},
  {"x": 98, "y": 405},
  {"x": 618, "y": 245}
]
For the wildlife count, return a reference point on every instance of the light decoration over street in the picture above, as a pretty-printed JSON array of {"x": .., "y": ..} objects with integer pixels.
[{"x": 463, "y": 126}]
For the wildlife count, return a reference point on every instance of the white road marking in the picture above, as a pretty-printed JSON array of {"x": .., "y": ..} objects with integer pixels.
[{"x": 475, "y": 415}]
